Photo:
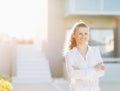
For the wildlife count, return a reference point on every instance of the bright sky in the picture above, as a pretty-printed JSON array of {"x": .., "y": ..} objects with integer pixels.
[{"x": 23, "y": 18}]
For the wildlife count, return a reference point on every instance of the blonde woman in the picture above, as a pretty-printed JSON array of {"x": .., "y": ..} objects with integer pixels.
[{"x": 83, "y": 62}]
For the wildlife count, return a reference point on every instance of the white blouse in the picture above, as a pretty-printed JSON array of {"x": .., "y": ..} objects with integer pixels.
[{"x": 85, "y": 78}]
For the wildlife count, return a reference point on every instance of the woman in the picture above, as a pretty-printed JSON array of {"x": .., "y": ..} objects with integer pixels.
[{"x": 83, "y": 62}]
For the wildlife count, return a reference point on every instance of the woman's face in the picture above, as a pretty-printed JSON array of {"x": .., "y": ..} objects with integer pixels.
[{"x": 81, "y": 35}]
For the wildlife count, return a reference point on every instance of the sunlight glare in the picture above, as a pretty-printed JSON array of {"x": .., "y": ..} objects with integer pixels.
[{"x": 23, "y": 18}]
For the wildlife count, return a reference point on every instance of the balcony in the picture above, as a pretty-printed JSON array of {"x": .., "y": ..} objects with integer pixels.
[{"x": 92, "y": 7}]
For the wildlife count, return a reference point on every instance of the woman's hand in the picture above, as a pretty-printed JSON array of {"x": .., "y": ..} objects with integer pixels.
[
  {"x": 75, "y": 67},
  {"x": 99, "y": 66}
]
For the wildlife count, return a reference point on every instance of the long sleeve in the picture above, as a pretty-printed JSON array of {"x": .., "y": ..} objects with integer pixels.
[
  {"x": 98, "y": 55},
  {"x": 84, "y": 74}
]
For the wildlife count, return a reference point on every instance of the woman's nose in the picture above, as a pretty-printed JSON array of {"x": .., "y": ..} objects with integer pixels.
[{"x": 83, "y": 36}]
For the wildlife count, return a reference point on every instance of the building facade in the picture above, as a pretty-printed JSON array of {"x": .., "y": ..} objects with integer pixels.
[{"x": 103, "y": 18}]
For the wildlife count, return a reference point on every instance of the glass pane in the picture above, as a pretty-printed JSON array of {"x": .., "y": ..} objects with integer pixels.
[
  {"x": 104, "y": 39},
  {"x": 92, "y": 5},
  {"x": 110, "y": 5}
]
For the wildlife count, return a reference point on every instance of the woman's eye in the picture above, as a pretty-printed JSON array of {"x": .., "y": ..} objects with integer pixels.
[{"x": 86, "y": 33}]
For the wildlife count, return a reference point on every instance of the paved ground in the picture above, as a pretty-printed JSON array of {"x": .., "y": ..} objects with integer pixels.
[
  {"x": 34, "y": 87},
  {"x": 61, "y": 85},
  {"x": 110, "y": 86}
]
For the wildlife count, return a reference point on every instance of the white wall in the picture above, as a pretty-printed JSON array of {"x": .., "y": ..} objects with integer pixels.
[
  {"x": 56, "y": 34},
  {"x": 6, "y": 58}
]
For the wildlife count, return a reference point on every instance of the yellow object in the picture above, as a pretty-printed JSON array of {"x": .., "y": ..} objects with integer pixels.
[{"x": 5, "y": 85}]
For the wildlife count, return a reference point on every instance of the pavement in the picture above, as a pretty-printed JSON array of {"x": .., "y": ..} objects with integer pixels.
[{"x": 60, "y": 85}]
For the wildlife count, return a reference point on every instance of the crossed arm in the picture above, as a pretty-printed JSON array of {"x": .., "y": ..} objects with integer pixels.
[
  {"x": 85, "y": 73},
  {"x": 94, "y": 72}
]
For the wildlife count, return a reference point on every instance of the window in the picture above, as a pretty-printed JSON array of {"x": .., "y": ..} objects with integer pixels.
[
  {"x": 104, "y": 39},
  {"x": 111, "y": 5},
  {"x": 86, "y": 5}
]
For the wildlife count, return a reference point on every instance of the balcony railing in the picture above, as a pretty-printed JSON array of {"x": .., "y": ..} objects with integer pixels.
[{"x": 92, "y": 7}]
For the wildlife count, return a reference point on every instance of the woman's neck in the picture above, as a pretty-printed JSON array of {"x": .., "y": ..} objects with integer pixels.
[
  {"x": 83, "y": 50},
  {"x": 82, "y": 47}
]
